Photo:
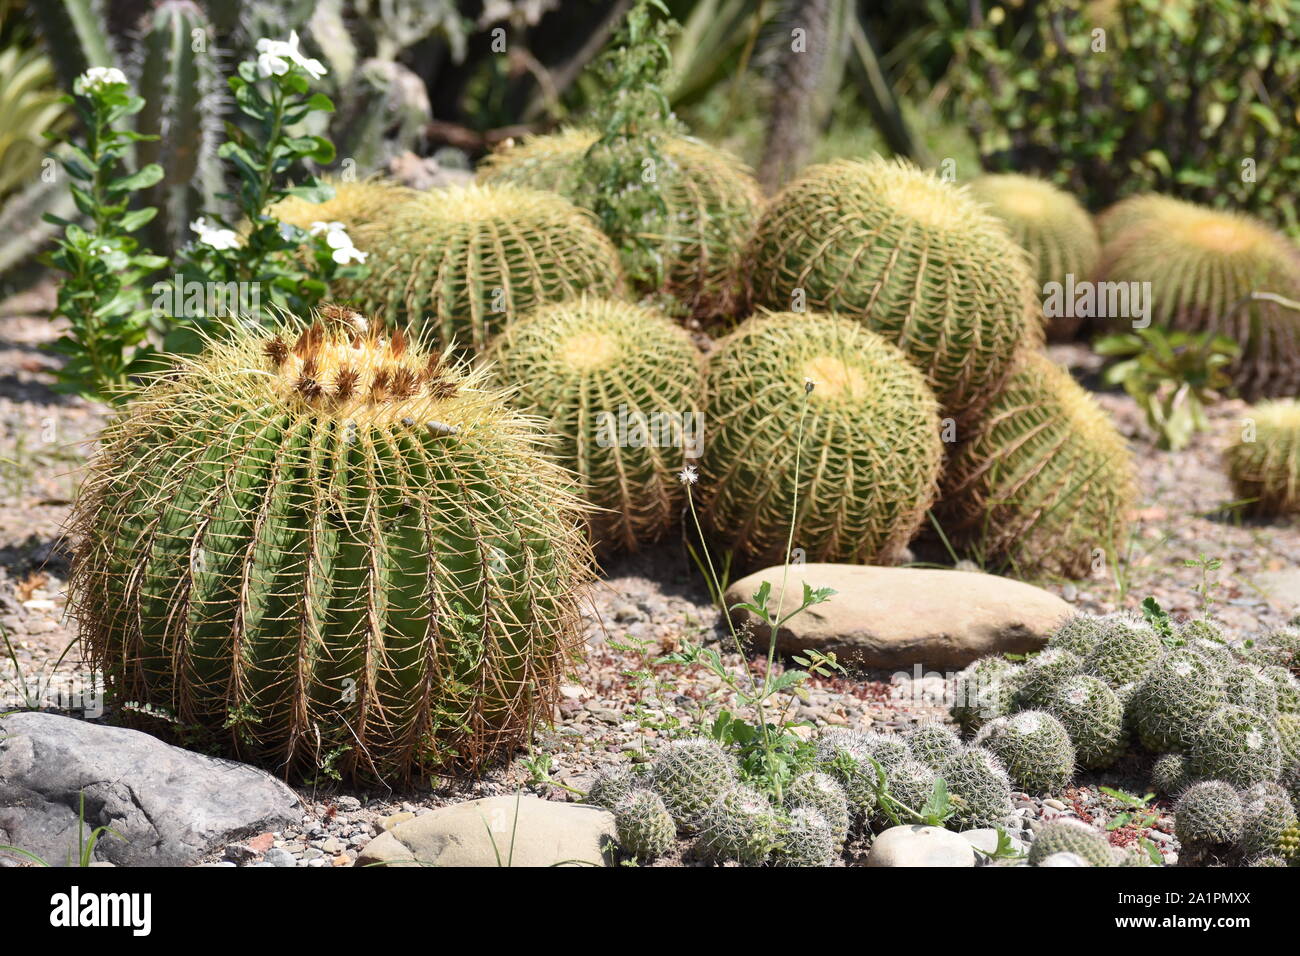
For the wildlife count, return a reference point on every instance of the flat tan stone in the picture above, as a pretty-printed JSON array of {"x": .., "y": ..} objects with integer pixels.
[
  {"x": 498, "y": 831},
  {"x": 898, "y": 617}
]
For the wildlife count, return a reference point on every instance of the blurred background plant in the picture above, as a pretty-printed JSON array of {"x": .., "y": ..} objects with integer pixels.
[{"x": 1172, "y": 375}]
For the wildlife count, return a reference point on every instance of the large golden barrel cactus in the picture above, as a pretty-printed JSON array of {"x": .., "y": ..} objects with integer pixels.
[
  {"x": 330, "y": 550},
  {"x": 1051, "y": 226},
  {"x": 1205, "y": 268},
  {"x": 619, "y": 387},
  {"x": 1045, "y": 481},
  {"x": 1264, "y": 463},
  {"x": 871, "y": 447},
  {"x": 463, "y": 262},
  {"x": 913, "y": 258},
  {"x": 712, "y": 199}
]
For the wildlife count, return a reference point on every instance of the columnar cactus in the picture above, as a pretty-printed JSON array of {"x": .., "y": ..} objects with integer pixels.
[
  {"x": 619, "y": 387},
  {"x": 1044, "y": 481},
  {"x": 871, "y": 448},
  {"x": 644, "y": 827},
  {"x": 1203, "y": 267},
  {"x": 1034, "y": 748},
  {"x": 1208, "y": 814},
  {"x": 1051, "y": 225},
  {"x": 464, "y": 262},
  {"x": 326, "y": 546},
  {"x": 711, "y": 196},
  {"x": 1264, "y": 464},
  {"x": 913, "y": 258},
  {"x": 182, "y": 91},
  {"x": 1071, "y": 836}
]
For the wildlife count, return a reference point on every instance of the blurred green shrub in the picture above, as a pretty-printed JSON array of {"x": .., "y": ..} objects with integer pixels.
[{"x": 1195, "y": 98}]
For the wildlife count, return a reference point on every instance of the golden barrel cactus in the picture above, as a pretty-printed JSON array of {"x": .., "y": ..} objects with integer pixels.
[{"x": 1264, "y": 463}]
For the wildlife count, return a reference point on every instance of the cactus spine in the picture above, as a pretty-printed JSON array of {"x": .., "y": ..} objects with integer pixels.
[
  {"x": 336, "y": 548},
  {"x": 1265, "y": 466}
]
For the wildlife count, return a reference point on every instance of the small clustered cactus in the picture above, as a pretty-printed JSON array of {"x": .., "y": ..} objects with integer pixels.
[
  {"x": 1093, "y": 717},
  {"x": 867, "y": 411},
  {"x": 740, "y": 826},
  {"x": 643, "y": 824},
  {"x": 1208, "y": 814},
  {"x": 618, "y": 386},
  {"x": 806, "y": 839},
  {"x": 278, "y": 546},
  {"x": 979, "y": 787},
  {"x": 1071, "y": 836},
  {"x": 691, "y": 775},
  {"x": 1034, "y": 747},
  {"x": 820, "y": 792}
]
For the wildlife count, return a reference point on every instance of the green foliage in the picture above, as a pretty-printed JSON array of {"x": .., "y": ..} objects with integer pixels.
[
  {"x": 634, "y": 120},
  {"x": 460, "y": 264},
  {"x": 30, "y": 109},
  {"x": 1034, "y": 748},
  {"x": 1174, "y": 82},
  {"x": 1045, "y": 481},
  {"x": 1214, "y": 273},
  {"x": 1208, "y": 814},
  {"x": 1071, "y": 836},
  {"x": 909, "y": 256},
  {"x": 288, "y": 268},
  {"x": 102, "y": 263},
  {"x": 338, "y": 542},
  {"x": 619, "y": 387},
  {"x": 644, "y": 826},
  {"x": 1264, "y": 463},
  {"x": 857, "y": 401},
  {"x": 1172, "y": 375}
]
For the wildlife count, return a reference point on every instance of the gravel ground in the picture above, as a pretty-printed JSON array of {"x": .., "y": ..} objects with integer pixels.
[{"x": 642, "y": 606}]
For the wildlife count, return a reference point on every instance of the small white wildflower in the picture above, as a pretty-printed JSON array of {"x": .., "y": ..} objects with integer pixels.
[
  {"x": 336, "y": 235},
  {"x": 688, "y": 475},
  {"x": 214, "y": 236},
  {"x": 276, "y": 57},
  {"x": 98, "y": 77}
]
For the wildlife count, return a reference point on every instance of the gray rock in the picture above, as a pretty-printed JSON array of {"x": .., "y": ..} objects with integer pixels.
[
  {"x": 898, "y": 617},
  {"x": 170, "y": 806},
  {"x": 277, "y": 856},
  {"x": 498, "y": 831},
  {"x": 916, "y": 845},
  {"x": 1064, "y": 859}
]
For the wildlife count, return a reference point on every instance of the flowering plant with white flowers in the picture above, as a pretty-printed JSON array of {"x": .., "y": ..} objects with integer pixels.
[
  {"x": 289, "y": 267},
  {"x": 106, "y": 342}
]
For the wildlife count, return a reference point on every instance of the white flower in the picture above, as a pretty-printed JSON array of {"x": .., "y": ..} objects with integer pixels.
[
  {"x": 214, "y": 236},
  {"x": 276, "y": 57},
  {"x": 98, "y": 77},
  {"x": 336, "y": 237},
  {"x": 688, "y": 475}
]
